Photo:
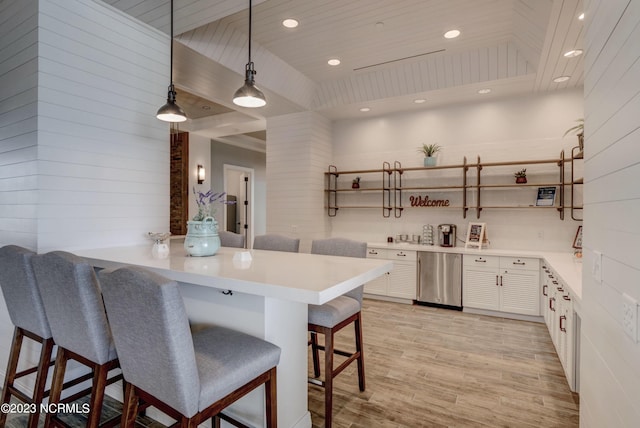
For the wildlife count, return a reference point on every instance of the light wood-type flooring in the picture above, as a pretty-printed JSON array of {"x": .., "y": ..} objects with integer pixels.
[{"x": 428, "y": 367}]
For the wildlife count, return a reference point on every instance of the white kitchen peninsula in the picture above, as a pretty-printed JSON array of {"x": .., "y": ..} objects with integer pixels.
[{"x": 266, "y": 296}]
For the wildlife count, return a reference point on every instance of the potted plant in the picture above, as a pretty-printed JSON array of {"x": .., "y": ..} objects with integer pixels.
[
  {"x": 356, "y": 183},
  {"x": 429, "y": 150},
  {"x": 521, "y": 176},
  {"x": 579, "y": 131},
  {"x": 202, "y": 232}
]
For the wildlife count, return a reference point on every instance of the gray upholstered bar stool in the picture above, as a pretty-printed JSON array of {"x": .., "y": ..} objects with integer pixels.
[
  {"x": 73, "y": 304},
  {"x": 331, "y": 317},
  {"x": 192, "y": 378},
  {"x": 230, "y": 239},
  {"x": 26, "y": 311},
  {"x": 275, "y": 242}
]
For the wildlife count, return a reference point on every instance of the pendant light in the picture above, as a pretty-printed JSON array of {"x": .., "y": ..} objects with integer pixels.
[
  {"x": 249, "y": 95},
  {"x": 171, "y": 112}
]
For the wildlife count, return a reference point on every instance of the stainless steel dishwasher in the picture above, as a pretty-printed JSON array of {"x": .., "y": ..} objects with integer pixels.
[{"x": 440, "y": 279}]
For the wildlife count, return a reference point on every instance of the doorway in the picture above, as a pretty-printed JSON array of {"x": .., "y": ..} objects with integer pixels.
[{"x": 238, "y": 185}]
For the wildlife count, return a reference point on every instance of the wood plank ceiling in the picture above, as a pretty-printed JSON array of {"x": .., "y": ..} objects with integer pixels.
[{"x": 391, "y": 51}]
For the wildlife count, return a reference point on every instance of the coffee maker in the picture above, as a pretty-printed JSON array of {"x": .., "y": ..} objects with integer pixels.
[{"x": 447, "y": 235}]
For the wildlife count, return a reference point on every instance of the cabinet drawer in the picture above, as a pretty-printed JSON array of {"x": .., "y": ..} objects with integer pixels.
[
  {"x": 409, "y": 256},
  {"x": 524, "y": 263},
  {"x": 481, "y": 261},
  {"x": 377, "y": 253}
]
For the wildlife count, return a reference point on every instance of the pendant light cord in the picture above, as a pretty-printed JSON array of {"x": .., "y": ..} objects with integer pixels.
[
  {"x": 250, "y": 20},
  {"x": 171, "y": 44}
]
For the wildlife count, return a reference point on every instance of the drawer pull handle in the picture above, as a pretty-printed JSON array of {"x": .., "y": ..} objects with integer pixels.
[
  {"x": 519, "y": 263},
  {"x": 562, "y": 327},
  {"x": 551, "y": 306},
  {"x": 480, "y": 261},
  {"x": 566, "y": 297},
  {"x": 544, "y": 290},
  {"x": 555, "y": 282},
  {"x": 560, "y": 289},
  {"x": 401, "y": 254}
]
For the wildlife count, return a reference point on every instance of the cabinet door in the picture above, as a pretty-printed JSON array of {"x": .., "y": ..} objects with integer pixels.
[
  {"x": 402, "y": 280},
  {"x": 520, "y": 292},
  {"x": 378, "y": 286},
  {"x": 480, "y": 288}
]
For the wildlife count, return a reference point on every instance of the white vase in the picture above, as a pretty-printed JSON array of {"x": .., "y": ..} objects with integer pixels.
[{"x": 202, "y": 237}]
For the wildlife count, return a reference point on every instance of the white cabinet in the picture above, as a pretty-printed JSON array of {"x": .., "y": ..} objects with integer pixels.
[
  {"x": 505, "y": 284},
  {"x": 401, "y": 281},
  {"x": 561, "y": 321}
]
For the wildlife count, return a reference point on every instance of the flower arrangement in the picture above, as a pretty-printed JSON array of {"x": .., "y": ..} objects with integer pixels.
[{"x": 205, "y": 201}]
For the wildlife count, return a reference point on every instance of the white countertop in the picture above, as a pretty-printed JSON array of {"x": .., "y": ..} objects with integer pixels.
[
  {"x": 565, "y": 264},
  {"x": 299, "y": 277}
]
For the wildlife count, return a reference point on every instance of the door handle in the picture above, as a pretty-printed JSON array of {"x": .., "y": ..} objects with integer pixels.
[
  {"x": 562, "y": 327},
  {"x": 544, "y": 290}
]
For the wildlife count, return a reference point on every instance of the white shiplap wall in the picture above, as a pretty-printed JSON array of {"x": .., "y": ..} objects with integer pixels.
[
  {"x": 103, "y": 157},
  {"x": 83, "y": 160},
  {"x": 18, "y": 121},
  {"x": 610, "y": 360},
  {"x": 298, "y": 153}
]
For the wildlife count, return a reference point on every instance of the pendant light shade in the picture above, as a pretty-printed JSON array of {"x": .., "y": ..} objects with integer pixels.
[
  {"x": 249, "y": 95},
  {"x": 171, "y": 112}
]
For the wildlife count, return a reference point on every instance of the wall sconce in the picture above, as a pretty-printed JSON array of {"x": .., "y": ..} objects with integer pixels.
[{"x": 201, "y": 174}]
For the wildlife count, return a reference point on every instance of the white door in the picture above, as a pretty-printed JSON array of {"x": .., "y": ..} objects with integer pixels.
[{"x": 238, "y": 183}]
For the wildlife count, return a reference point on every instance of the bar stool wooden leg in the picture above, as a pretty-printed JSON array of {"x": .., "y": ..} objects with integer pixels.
[
  {"x": 129, "y": 407},
  {"x": 271, "y": 388},
  {"x": 360, "y": 351},
  {"x": 315, "y": 354},
  {"x": 97, "y": 394},
  {"x": 328, "y": 375},
  {"x": 12, "y": 368},
  {"x": 56, "y": 383},
  {"x": 41, "y": 380}
]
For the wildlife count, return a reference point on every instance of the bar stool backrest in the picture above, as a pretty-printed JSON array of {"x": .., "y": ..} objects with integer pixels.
[
  {"x": 73, "y": 304},
  {"x": 345, "y": 248},
  {"x": 230, "y": 239},
  {"x": 147, "y": 314},
  {"x": 20, "y": 291},
  {"x": 274, "y": 242}
]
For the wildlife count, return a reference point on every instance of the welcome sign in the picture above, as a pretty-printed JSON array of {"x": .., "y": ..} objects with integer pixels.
[{"x": 420, "y": 201}]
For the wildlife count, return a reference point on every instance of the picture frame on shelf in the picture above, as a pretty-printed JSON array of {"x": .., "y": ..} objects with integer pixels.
[
  {"x": 546, "y": 196},
  {"x": 476, "y": 235},
  {"x": 577, "y": 241}
]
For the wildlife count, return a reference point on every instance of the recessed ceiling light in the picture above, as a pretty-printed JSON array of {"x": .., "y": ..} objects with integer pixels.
[
  {"x": 206, "y": 107},
  {"x": 290, "y": 23},
  {"x": 334, "y": 61},
  {"x": 420, "y": 101},
  {"x": 484, "y": 91},
  {"x": 451, "y": 34},
  {"x": 581, "y": 16},
  {"x": 379, "y": 25},
  {"x": 365, "y": 109},
  {"x": 573, "y": 53},
  {"x": 561, "y": 79}
]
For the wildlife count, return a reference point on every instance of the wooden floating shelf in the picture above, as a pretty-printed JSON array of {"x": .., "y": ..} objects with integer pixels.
[{"x": 489, "y": 186}]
